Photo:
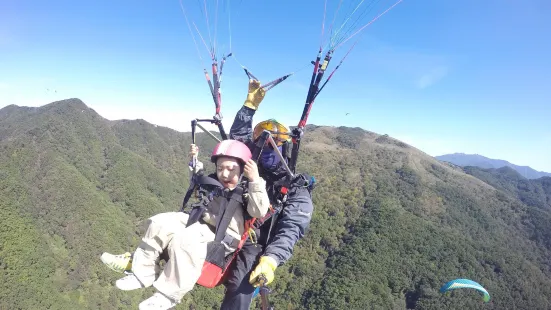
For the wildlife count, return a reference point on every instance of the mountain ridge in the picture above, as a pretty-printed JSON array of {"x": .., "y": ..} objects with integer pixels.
[
  {"x": 463, "y": 160},
  {"x": 390, "y": 223}
]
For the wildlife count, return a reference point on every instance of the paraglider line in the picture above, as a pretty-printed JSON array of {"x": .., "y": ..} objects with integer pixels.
[
  {"x": 215, "y": 25},
  {"x": 229, "y": 24},
  {"x": 323, "y": 23},
  {"x": 208, "y": 25},
  {"x": 205, "y": 43},
  {"x": 349, "y": 30},
  {"x": 345, "y": 22},
  {"x": 241, "y": 65},
  {"x": 334, "y": 18},
  {"x": 371, "y": 22},
  {"x": 190, "y": 31}
]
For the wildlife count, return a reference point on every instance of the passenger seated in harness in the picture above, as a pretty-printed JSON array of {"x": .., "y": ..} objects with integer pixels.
[{"x": 212, "y": 231}]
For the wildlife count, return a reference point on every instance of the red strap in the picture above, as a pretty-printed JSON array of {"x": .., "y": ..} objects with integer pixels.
[{"x": 244, "y": 237}]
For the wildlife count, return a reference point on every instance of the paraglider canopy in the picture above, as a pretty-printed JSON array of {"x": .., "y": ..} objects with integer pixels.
[{"x": 465, "y": 283}]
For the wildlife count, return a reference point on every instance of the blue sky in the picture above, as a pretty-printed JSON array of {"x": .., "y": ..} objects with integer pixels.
[{"x": 444, "y": 76}]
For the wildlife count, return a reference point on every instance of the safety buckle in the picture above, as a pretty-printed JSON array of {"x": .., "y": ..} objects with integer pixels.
[{"x": 253, "y": 236}]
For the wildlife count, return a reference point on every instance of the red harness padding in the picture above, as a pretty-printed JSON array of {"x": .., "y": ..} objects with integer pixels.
[
  {"x": 213, "y": 273},
  {"x": 216, "y": 262}
]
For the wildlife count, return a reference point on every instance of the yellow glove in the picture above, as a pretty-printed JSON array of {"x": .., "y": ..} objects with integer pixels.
[
  {"x": 263, "y": 274},
  {"x": 255, "y": 96}
]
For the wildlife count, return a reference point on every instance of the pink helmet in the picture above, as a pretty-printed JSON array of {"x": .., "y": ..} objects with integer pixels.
[{"x": 231, "y": 148}]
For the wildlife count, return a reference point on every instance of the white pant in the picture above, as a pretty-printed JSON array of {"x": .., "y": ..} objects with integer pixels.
[{"x": 187, "y": 248}]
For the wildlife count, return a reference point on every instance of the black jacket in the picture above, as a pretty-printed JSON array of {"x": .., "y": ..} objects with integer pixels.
[{"x": 294, "y": 219}]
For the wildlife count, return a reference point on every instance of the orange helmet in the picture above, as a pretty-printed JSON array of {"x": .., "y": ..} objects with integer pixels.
[{"x": 279, "y": 132}]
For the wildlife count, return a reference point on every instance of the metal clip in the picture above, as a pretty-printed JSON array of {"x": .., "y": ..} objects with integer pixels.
[{"x": 253, "y": 236}]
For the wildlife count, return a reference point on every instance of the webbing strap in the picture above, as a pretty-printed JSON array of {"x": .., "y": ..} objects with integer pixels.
[
  {"x": 226, "y": 212},
  {"x": 189, "y": 192},
  {"x": 248, "y": 224},
  {"x": 197, "y": 212},
  {"x": 198, "y": 180}
]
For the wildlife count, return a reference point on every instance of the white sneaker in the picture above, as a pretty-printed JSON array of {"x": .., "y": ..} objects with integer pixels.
[
  {"x": 120, "y": 263},
  {"x": 157, "y": 302},
  {"x": 129, "y": 283}
]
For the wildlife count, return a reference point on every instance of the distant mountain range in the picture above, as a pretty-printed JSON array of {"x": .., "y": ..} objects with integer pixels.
[{"x": 476, "y": 160}]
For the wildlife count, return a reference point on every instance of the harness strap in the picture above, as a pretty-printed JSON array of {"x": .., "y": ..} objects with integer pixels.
[
  {"x": 227, "y": 211},
  {"x": 248, "y": 225},
  {"x": 197, "y": 211},
  {"x": 191, "y": 188},
  {"x": 195, "y": 215}
]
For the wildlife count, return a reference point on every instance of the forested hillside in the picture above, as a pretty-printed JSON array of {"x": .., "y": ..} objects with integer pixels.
[
  {"x": 535, "y": 193},
  {"x": 390, "y": 226}
]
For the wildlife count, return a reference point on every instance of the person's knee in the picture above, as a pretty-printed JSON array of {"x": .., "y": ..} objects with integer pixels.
[
  {"x": 232, "y": 286},
  {"x": 189, "y": 242},
  {"x": 161, "y": 227},
  {"x": 155, "y": 223},
  {"x": 180, "y": 238},
  {"x": 237, "y": 284},
  {"x": 165, "y": 217}
]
